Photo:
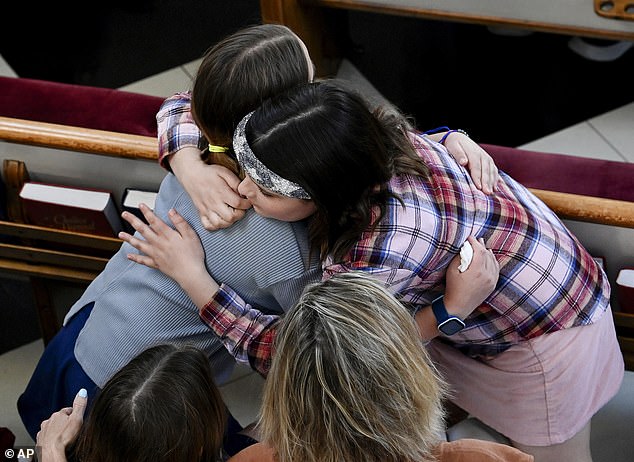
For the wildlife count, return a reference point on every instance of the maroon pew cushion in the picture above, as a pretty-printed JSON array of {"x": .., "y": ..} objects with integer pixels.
[
  {"x": 565, "y": 173},
  {"x": 79, "y": 105},
  {"x": 134, "y": 113}
]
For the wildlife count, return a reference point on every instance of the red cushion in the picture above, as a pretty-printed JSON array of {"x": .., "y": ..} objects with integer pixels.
[
  {"x": 79, "y": 105},
  {"x": 565, "y": 173}
]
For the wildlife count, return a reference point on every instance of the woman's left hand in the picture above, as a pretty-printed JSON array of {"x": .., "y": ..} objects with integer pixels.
[
  {"x": 470, "y": 155},
  {"x": 178, "y": 253},
  {"x": 61, "y": 429},
  {"x": 175, "y": 252}
]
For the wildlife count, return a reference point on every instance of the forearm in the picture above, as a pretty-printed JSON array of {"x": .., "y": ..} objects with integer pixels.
[
  {"x": 183, "y": 161},
  {"x": 247, "y": 333},
  {"x": 200, "y": 287},
  {"x": 48, "y": 454},
  {"x": 426, "y": 322}
]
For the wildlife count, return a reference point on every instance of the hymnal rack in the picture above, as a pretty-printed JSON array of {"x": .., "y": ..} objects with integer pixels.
[{"x": 47, "y": 254}]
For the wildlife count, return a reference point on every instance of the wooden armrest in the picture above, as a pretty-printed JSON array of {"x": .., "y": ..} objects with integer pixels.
[
  {"x": 78, "y": 139},
  {"x": 587, "y": 208}
]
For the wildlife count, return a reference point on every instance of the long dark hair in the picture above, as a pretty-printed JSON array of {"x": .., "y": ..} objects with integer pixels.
[
  {"x": 162, "y": 407},
  {"x": 238, "y": 73},
  {"x": 324, "y": 137}
]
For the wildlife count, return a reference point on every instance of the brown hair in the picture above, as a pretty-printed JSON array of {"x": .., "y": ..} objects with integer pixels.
[
  {"x": 162, "y": 407},
  {"x": 238, "y": 73}
]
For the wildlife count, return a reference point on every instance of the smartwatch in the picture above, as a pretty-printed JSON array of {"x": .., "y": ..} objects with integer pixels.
[{"x": 447, "y": 323}]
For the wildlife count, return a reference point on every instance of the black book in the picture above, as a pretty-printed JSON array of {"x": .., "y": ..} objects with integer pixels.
[{"x": 130, "y": 203}]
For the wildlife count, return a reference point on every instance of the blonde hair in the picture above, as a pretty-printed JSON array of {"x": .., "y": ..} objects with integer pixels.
[{"x": 350, "y": 379}]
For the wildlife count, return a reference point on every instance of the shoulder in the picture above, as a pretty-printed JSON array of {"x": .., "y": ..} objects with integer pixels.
[
  {"x": 468, "y": 449},
  {"x": 258, "y": 452}
]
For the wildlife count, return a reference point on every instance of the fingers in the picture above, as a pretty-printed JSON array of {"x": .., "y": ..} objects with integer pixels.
[
  {"x": 490, "y": 175},
  {"x": 231, "y": 196},
  {"x": 495, "y": 177},
  {"x": 462, "y": 158},
  {"x": 222, "y": 214},
  {"x": 236, "y": 202},
  {"x": 180, "y": 223},
  {"x": 240, "y": 203},
  {"x": 135, "y": 242},
  {"x": 214, "y": 220},
  {"x": 476, "y": 242},
  {"x": 150, "y": 232},
  {"x": 156, "y": 224},
  {"x": 475, "y": 168},
  {"x": 137, "y": 224},
  {"x": 79, "y": 404},
  {"x": 142, "y": 259},
  {"x": 141, "y": 246},
  {"x": 490, "y": 263}
]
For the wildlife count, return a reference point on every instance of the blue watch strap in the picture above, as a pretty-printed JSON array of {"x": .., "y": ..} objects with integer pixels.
[{"x": 447, "y": 324}]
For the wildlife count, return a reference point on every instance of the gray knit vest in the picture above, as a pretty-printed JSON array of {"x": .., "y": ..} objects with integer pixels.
[{"x": 265, "y": 261}]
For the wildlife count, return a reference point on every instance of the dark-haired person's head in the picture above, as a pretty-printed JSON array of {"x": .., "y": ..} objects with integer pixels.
[
  {"x": 241, "y": 71},
  {"x": 162, "y": 407},
  {"x": 322, "y": 144}
]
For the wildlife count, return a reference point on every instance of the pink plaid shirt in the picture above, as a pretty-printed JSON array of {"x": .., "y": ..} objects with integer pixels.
[{"x": 548, "y": 281}]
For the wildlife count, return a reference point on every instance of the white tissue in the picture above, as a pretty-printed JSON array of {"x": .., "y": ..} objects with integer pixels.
[{"x": 466, "y": 254}]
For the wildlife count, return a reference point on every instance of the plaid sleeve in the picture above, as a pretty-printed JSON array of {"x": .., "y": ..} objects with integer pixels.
[
  {"x": 246, "y": 333},
  {"x": 176, "y": 127}
]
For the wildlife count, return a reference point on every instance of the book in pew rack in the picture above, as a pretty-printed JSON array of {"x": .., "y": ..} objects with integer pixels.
[
  {"x": 130, "y": 203},
  {"x": 82, "y": 210}
]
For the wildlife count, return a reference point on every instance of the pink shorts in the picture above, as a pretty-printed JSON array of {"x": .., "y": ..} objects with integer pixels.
[{"x": 540, "y": 392}]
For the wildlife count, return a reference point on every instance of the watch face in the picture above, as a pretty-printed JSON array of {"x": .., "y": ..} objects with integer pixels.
[{"x": 451, "y": 326}]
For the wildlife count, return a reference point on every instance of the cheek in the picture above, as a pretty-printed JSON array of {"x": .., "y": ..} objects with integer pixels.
[
  {"x": 292, "y": 210},
  {"x": 299, "y": 211}
]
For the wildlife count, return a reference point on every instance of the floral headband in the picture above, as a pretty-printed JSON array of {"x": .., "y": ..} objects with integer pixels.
[{"x": 258, "y": 171}]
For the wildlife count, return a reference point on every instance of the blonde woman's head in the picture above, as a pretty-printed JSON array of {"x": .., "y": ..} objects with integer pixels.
[{"x": 350, "y": 379}]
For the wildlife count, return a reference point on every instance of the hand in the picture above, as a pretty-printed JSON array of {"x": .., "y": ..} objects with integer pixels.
[
  {"x": 465, "y": 291},
  {"x": 61, "y": 429},
  {"x": 177, "y": 253},
  {"x": 470, "y": 155},
  {"x": 212, "y": 188}
]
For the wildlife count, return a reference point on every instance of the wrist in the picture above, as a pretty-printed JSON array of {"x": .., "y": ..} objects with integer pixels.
[
  {"x": 182, "y": 160},
  {"x": 449, "y": 132},
  {"x": 52, "y": 454},
  {"x": 452, "y": 306},
  {"x": 200, "y": 287},
  {"x": 426, "y": 323},
  {"x": 447, "y": 323}
]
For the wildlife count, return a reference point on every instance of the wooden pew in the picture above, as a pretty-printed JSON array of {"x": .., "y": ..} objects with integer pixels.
[
  {"x": 318, "y": 22},
  {"x": 73, "y": 124},
  {"x": 46, "y": 254}
]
